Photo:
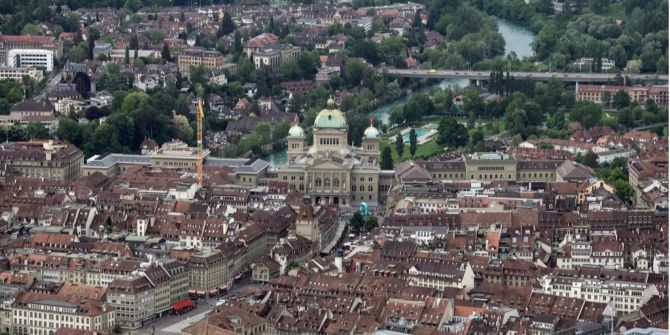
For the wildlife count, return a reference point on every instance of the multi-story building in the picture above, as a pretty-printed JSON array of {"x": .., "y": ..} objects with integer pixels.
[
  {"x": 640, "y": 94},
  {"x": 259, "y": 42},
  {"x": 30, "y": 111},
  {"x": 9, "y": 42},
  {"x": 272, "y": 56},
  {"x": 148, "y": 293},
  {"x": 81, "y": 307},
  {"x": 625, "y": 294},
  {"x": 332, "y": 171},
  {"x": 211, "y": 60},
  {"x": 134, "y": 299},
  {"x": 41, "y": 159},
  {"x": 31, "y": 58},
  {"x": 608, "y": 254},
  {"x": 209, "y": 273},
  {"x": 17, "y": 73}
]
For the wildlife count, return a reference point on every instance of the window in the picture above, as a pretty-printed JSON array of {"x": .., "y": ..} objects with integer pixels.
[
  {"x": 317, "y": 182},
  {"x": 336, "y": 182}
]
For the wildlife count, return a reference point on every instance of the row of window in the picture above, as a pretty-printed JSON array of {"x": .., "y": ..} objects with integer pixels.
[{"x": 329, "y": 141}]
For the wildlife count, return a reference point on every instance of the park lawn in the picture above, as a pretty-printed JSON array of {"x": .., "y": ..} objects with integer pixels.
[{"x": 426, "y": 150}]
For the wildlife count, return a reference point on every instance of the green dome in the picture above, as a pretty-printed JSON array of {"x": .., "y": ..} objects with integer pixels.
[
  {"x": 296, "y": 131},
  {"x": 330, "y": 118},
  {"x": 371, "y": 132}
]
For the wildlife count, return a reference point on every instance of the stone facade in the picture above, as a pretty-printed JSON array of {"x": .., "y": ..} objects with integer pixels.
[{"x": 331, "y": 171}]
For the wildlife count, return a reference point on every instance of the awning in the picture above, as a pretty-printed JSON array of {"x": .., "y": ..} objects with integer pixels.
[
  {"x": 191, "y": 291},
  {"x": 181, "y": 304},
  {"x": 200, "y": 292},
  {"x": 213, "y": 291},
  {"x": 223, "y": 288}
]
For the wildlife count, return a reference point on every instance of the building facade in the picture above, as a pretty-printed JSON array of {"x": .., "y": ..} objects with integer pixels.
[
  {"x": 31, "y": 58},
  {"x": 211, "y": 60},
  {"x": 42, "y": 159},
  {"x": 331, "y": 170}
]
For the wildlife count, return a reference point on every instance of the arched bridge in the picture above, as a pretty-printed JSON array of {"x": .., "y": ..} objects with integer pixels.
[{"x": 485, "y": 75}]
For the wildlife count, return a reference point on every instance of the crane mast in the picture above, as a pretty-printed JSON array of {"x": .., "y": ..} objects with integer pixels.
[{"x": 200, "y": 151}]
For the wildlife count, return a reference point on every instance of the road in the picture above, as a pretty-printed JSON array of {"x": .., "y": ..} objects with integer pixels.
[
  {"x": 55, "y": 79},
  {"x": 485, "y": 75},
  {"x": 173, "y": 324}
]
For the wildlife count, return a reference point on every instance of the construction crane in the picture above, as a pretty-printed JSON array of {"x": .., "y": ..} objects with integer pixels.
[{"x": 200, "y": 153}]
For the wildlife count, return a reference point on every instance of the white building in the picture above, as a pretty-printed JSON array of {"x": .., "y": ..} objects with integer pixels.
[
  {"x": 607, "y": 64},
  {"x": 624, "y": 296},
  {"x": 607, "y": 254},
  {"x": 31, "y": 57},
  {"x": 17, "y": 73},
  {"x": 660, "y": 263}
]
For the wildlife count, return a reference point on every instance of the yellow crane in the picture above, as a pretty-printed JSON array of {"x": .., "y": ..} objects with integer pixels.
[{"x": 200, "y": 152}]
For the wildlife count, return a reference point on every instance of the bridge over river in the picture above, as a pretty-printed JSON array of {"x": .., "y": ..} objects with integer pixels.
[{"x": 485, "y": 75}]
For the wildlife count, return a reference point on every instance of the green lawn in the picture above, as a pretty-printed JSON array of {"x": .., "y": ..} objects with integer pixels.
[{"x": 422, "y": 151}]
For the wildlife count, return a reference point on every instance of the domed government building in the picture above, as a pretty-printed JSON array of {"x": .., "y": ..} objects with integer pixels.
[{"x": 331, "y": 171}]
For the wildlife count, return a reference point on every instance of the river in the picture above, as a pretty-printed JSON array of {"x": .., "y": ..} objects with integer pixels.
[{"x": 518, "y": 39}]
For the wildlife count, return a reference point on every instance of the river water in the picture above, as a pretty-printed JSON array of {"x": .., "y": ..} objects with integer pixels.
[{"x": 518, "y": 39}]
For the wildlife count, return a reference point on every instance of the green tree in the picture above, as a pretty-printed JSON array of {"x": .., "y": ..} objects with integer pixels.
[
  {"x": 237, "y": 44},
  {"x": 621, "y": 99},
  {"x": 356, "y": 222},
  {"x": 30, "y": 29},
  {"x": 587, "y": 113},
  {"x": 386, "y": 159},
  {"x": 590, "y": 159},
  {"x": 227, "y": 25},
  {"x": 624, "y": 191},
  {"x": 625, "y": 117},
  {"x": 165, "y": 53},
  {"x": 451, "y": 133},
  {"x": 412, "y": 142},
  {"x": 371, "y": 223},
  {"x": 93, "y": 35},
  {"x": 399, "y": 146},
  {"x": 197, "y": 75},
  {"x": 36, "y": 130},
  {"x": 127, "y": 56}
]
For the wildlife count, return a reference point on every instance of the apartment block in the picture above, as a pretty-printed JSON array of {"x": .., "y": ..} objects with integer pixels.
[
  {"x": 211, "y": 60},
  {"x": 44, "y": 310}
]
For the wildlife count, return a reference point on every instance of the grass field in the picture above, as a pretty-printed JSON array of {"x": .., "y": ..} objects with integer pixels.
[{"x": 429, "y": 149}]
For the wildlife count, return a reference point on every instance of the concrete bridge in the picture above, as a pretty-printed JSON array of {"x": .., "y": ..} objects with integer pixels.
[{"x": 485, "y": 75}]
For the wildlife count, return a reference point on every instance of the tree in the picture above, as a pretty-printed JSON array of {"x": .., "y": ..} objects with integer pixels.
[
  {"x": 136, "y": 54},
  {"x": 227, "y": 25},
  {"x": 83, "y": 84},
  {"x": 607, "y": 99},
  {"x": 181, "y": 129},
  {"x": 590, "y": 159},
  {"x": 412, "y": 142},
  {"x": 127, "y": 56},
  {"x": 625, "y": 117},
  {"x": 386, "y": 159},
  {"x": 237, "y": 44},
  {"x": 165, "y": 53},
  {"x": 477, "y": 140},
  {"x": 356, "y": 222},
  {"x": 371, "y": 223},
  {"x": 30, "y": 29},
  {"x": 633, "y": 66},
  {"x": 451, "y": 133},
  {"x": 399, "y": 146},
  {"x": 36, "y": 130},
  {"x": 587, "y": 113},
  {"x": 621, "y": 99},
  {"x": 93, "y": 35},
  {"x": 624, "y": 191}
]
